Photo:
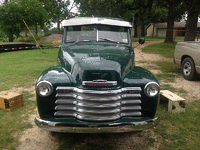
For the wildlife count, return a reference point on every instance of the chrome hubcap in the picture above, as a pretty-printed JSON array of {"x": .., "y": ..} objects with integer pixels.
[{"x": 187, "y": 68}]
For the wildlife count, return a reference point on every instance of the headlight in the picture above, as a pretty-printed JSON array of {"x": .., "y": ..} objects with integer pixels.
[
  {"x": 151, "y": 89},
  {"x": 44, "y": 88}
]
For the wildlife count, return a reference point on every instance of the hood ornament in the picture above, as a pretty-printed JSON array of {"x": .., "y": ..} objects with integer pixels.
[{"x": 99, "y": 82}]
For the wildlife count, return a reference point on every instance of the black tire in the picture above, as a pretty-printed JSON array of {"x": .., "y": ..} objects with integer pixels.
[{"x": 188, "y": 69}]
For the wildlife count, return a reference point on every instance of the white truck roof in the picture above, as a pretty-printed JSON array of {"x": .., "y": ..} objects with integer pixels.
[{"x": 96, "y": 20}]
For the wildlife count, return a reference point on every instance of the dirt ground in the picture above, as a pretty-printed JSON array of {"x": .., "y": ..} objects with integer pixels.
[
  {"x": 38, "y": 139},
  {"x": 54, "y": 38}
]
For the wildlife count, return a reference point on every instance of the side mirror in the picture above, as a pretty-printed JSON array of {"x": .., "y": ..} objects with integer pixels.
[{"x": 141, "y": 40}]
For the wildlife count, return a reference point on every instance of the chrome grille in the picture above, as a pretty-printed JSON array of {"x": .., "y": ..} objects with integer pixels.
[{"x": 94, "y": 105}]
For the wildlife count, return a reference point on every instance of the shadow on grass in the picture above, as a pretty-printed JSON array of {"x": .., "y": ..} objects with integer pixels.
[{"x": 107, "y": 141}]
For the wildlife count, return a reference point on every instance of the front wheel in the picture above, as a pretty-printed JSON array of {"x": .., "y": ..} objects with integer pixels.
[{"x": 188, "y": 69}]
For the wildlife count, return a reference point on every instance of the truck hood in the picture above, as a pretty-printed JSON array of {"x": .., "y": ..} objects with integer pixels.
[{"x": 90, "y": 57}]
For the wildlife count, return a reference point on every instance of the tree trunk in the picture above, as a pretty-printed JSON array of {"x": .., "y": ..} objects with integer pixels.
[
  {"x": 36, "y": 30},
  {"x": 135, "y": 25},
  {"x": 10, "y": 36},
  {"x": 191, "y": 25},
  {"x": 170, "y": 22},
  {"x": 58, "y": 25},
  {"x": 153, "y": 30},
  {"x": 142, "y": 27}
]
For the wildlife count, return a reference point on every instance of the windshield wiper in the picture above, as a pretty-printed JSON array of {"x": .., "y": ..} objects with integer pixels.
[
  {"x": 84, "y": 41},
  {"x": 109, "y": 40}
]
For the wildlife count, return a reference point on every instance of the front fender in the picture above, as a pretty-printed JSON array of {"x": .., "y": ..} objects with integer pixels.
[
  {"x": 139, "y": 77},
  {"x": 57, "y": 76}
]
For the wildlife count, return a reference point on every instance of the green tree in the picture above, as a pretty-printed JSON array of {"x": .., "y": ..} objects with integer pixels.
[
  {"x": 10, "y": 20},
  {"x": 170, "y": 20},
  {"x": 58, "y": 10},
  {"x": 99, "y": 8},
  {"x": 33, "y": 12},
  {"x": 141, "y": 11},
  {"x": 174, "y": 11},
  {"x": 2, "y": 36},
  {"x": 104, "y": 8}
]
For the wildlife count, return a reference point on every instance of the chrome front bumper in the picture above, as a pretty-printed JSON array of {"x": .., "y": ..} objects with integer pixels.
[{"x": 101, "y": 128}]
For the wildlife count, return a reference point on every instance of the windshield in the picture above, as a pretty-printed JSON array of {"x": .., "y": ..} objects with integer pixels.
[{"x": 97, "y": 33}]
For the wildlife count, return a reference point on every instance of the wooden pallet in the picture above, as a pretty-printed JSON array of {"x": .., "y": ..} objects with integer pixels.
[{"x": 176, "y": 104}]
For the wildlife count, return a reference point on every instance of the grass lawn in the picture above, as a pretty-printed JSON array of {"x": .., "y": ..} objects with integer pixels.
[
  {"x": 156, "y": 38},
  {"x": 164, "y": 49},
  {"x": 22, "y": 68},
  {"x": 180, "y": 131}
]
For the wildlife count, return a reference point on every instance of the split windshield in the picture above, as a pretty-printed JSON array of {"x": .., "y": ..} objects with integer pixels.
[{"x": 99, "y": 33}]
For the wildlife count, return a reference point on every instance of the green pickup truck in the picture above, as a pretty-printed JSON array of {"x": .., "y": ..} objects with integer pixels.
[{"x": 96, "y": 88}]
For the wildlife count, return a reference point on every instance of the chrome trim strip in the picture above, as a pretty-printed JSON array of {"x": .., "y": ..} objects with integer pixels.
[
  {"x": 81, "y": 111},
  {"x": 85, "y": 100},
  {"x": 93, "y": 105},
  {"x": 65, "y": 108},
  {"x": 66, "y": 102},
  {"x": 99, "y": 92},
  {"x": 64, "y": 114},
  {"x": 95, "y": 128},
  {"x": 98, "y": 112},
  {"x": 66, "y": 95},
  {"x": 82, "y": 97},
  {"x": 110, "y": 83},
  {"x": 107, "y": 99},
  {"x": 130, "y": 95},
  {"x": 131, "y": 108},
  {"x": 105, "y": 118},
  {"x": 129, "y": 102}
]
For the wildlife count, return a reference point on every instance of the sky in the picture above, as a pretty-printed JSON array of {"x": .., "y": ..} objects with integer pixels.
[{"x": 1, "y": 2}]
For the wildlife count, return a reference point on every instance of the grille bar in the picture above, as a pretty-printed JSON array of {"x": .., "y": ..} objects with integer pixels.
[
  {"x": 98, "y": 92},
  {"x": 94, "y": 105},
  {"x": 131, "y": 102},
  {"x": 129, "y": 114},
  {"x": 100, "y": 118}
]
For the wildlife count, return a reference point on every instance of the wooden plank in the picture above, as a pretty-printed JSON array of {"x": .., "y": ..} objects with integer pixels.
[
  {"x": 176, "y": 104},
  {"x": 2, "y": 103},
  {"x": 168, "y": 94}
]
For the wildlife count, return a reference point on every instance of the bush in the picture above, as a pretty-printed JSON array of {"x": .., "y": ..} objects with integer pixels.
[{"x": 3, "y": 37}]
